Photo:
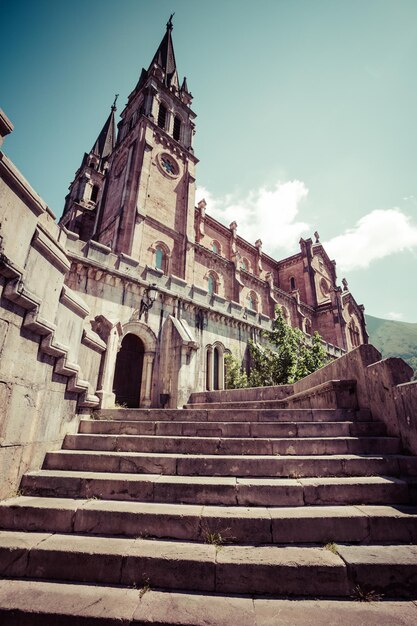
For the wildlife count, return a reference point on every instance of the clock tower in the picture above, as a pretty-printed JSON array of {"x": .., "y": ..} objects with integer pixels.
[{"x": 147, "y": 205}]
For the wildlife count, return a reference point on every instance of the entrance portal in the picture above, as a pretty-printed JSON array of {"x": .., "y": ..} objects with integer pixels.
[{"x": 128, "y": 372}]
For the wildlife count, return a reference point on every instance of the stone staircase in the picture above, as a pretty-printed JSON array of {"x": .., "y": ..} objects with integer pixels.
[{"x": 211, "y": 515}]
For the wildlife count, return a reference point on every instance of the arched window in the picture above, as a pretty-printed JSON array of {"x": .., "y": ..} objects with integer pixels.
[
  {"x": 252, "y": 301},
  {"x": 216, "y": 368},
  {"x": 292, "y": 283},
  {"x": 162, "y": 115},
  {"x": 285, "y": 314},
  {"x": 215, "y": 372},
  {"x": 245, "y": 265},
  {"x": 212, "y": 284},
  {"x": 209, "y": 359},
  {"x": 354, "y": 334},
  {"x": 177, "y": 128},
  {"x": 94, "y": 193},
  {"x": 215, "y": 246},
  {"x": 159, "y": 258}
]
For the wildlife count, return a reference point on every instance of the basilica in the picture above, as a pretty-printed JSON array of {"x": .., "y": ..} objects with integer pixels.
[
  {"x": 135, "y": 488},
  {"x": 180, "y": 287}
]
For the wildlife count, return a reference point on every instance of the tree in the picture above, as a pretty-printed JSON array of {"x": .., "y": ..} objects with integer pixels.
[
  {"x": 235, "y": 377},
  {"x": 287, "y": 357}
]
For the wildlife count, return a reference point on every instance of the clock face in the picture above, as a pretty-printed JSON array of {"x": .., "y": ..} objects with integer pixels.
[{"x": 168, "y": 165}]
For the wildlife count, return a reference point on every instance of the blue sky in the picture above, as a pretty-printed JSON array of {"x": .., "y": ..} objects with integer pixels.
[{"x": 306, "y": 116}]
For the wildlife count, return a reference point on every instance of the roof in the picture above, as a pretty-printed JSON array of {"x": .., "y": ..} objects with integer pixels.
[
  {"x": 106, "y": 140},
  {"x": 165, "y": 57}
]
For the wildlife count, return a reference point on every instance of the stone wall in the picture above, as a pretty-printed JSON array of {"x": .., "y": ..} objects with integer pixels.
[
  {"x": 381, "y": 385},
  {"x": 356, "y": 380},
  {"x": 43, "y": 336}
]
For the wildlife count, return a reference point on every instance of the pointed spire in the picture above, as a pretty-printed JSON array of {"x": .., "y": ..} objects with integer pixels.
[
  {"x": 113, "y": 106},
  {"x": 165, "y": 57},
  {"x": 106, "y": 140},
  {"x": 184, "y": 86}
]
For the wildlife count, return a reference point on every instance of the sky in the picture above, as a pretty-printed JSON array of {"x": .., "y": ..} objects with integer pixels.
[{"x": 306, "y": 116}]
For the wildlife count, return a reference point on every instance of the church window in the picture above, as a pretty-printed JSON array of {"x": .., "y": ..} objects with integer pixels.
[
  {"x": 94, "y": 193},
  {"x": 168, "y": 165},
  {"x": 216, "y": 360},
  {"x": 252, "y": 301},
  {"x": 212, "y": 284},
  {"x": 285, "y": 314},
  {"x": 159, "y": 259},
  {"x": 354, "y": 334},
  {"x": 209, "y": 358},
  {"x": 162, "y": 116},
  {"x": 245, "y": 265},
  {"x": 324, "y": 287},
  {"x": 292, "y": 283},
  {"x": 177, "y": 128},
  {"x": 215, "y": 246},
  {"x": 215, "y": 367}
]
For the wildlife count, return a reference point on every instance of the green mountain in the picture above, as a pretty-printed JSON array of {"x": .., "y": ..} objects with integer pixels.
[{"x": 394, "y": 339}]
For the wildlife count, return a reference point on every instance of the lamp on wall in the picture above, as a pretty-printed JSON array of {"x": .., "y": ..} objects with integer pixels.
[{"x": 149, "y": 297}]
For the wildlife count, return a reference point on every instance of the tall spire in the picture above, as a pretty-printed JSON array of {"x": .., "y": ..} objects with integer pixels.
[
  {"x": 106, "y": 140},
  {"x": 165, "y": 57}
]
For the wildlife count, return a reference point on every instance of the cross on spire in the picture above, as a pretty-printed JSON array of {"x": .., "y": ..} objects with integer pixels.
[{"x": 169, "y": 23}]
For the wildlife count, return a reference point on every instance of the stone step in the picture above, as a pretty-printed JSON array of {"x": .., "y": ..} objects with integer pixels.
[
  {"x": 42, "y": 603},
  {"x": 228, "y": 491},
  {"x": 290, "y": 466},
  {"x": 241, "y": 446},
  {"x": 340, "y": 393},
  {"x": 233, "y": 429},
  {"x": 235, "y": 415},
  {"x": 223, "y": 525},
  {"x": 230, "y": 569}
]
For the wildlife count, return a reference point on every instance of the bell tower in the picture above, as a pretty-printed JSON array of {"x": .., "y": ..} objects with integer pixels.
[
  {"x": 147, "y": 208},
  {"x": 86, "y": 190}
]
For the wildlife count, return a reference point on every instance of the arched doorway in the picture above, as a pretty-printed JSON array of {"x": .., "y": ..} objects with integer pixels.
[{"x": 128, "y": 371}]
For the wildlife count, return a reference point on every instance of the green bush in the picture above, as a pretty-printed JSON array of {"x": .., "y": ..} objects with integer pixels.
[
  {"x": 287, "y": 357},
  {"x": 235, "y": 377}
]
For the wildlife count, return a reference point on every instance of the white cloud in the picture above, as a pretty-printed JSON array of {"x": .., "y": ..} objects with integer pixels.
[
  {"x": 269, "y": 214},
  {"x": 393, "y": 315},
  {"x": 375, "y": 236}
]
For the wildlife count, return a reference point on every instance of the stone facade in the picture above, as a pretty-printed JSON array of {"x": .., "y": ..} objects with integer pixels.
[
  {"x": 214, "y": 289},
  {"x": 44, "y": 336},
  {"x": 137, "y": 294}
]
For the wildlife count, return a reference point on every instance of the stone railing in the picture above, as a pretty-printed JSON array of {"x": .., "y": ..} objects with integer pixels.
[{"x": 49, "y": 356}]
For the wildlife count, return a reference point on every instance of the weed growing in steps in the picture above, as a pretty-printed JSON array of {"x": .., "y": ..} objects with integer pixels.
[
  {"x": 332, "y": 547},
  {"x": 214, "y": 539},
  {"x": 363, "y": 594},
  {"x": 144, "y": 588}
]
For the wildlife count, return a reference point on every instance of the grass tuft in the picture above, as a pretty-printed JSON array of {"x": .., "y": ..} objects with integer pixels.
[
  {"x": 362, "y": 594},
  {"x": 332, "y": 547}
]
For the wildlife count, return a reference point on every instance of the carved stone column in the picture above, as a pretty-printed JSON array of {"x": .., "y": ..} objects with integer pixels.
[
  {"x": 221, "y": 369},
  {"x": 209, "y": 365},
  {"x": 146, "y": 387},
  {"x": 110, "y": 333}
]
